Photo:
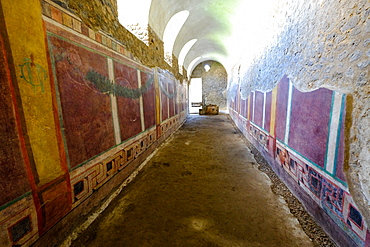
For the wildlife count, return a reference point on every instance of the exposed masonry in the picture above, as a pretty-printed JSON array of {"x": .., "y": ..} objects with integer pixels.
[
  {"x": 324, "y": 44},
  {"x": 317, "y": 48},
  {"x": 214, "y": 83},
  {"x": 102, "y": 15}
]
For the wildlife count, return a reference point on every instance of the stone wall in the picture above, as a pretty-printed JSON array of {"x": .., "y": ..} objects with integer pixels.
[
  {"x": 323, "y": 44},
  {"x": 214, "y": 83}
]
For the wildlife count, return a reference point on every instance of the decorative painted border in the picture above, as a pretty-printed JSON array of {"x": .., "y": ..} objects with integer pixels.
[
  {"x": 18, "y": 223},
  {"x": 63, "y": 17},
  {"x": 331, "y": 195},
  {"x": 168, "y": 124},
  {"x": 91, "y": 176}
]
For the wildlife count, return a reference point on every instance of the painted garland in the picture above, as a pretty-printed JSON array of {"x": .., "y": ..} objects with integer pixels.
[{"x": 103, "y": 84}]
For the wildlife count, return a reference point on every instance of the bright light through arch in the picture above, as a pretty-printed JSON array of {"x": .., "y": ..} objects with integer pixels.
[
  {"x": 191, "y": 65},
  {"x": 184, "y": 51},
  {"x": 171, "y": 31},
  {"x": 134, "y": 16}
]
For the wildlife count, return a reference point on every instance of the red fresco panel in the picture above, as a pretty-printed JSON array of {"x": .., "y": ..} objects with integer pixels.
[
  {"x": 128, "y": 109},
  {"x": 87, "y": 116},
  {"x": 13, "y": 175},
  {"x": 148, "y": 101}
]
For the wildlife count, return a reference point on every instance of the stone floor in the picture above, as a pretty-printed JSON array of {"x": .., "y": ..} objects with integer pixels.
[{"x": 203, "y": 188}]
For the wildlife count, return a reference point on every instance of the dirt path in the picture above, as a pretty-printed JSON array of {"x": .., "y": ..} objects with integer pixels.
[{"x": 203, "y": 188}]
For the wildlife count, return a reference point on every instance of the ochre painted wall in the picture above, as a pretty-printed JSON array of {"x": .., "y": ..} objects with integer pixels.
[{"x": 28, "y": 49}]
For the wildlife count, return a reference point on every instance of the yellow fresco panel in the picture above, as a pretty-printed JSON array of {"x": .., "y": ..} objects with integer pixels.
[
  {"x": 273, "y": 111},
  {"x": 27, "y": 43}
]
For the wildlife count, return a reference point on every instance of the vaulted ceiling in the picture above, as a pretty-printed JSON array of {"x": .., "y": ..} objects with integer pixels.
[{"x": 224, "y": 30}]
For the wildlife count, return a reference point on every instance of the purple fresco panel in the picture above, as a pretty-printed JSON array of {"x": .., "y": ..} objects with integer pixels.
[
  {"x": 281, "y": 107},
  {"x": 268, "y": 111},
  {"x": 243, "y": 107},
  {"x": 251, "y": 106},
  {"x": 148, "y": 101},
  {"x": 340, "y": 154},
  {"x": 309, "y": 123},
  {"x": 87, "y": 116},
  {"x": 247, "y": 108},
  {"x": 128, "y": 109},
  {"x": 232, "y": 104},
  {"x": 13, "y": 175},
  {"x": 258, "y": 109}
]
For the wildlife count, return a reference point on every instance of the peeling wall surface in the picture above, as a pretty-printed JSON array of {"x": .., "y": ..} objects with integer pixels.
[
  {"x": 79, "y": 114},
  {"x": 308, "y": 131}
]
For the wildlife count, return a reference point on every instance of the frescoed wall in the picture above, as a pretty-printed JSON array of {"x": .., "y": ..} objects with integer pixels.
[
  {"x": 301, "y": 134},
  {"x": 79, "y": 115},
  {"x": 86, "y": 112}
]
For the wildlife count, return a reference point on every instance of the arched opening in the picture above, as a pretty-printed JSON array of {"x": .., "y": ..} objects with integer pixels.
[
  {"x": 184, "y": 51},
  {"x": 171, "y": 31},
  {"x": 192, "y": 64},
  {"x": 134, "y": 17},
  {"x": 213, "y": 78}
]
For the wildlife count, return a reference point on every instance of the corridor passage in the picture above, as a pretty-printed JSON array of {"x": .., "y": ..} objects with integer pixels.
[{"x": 202, "y": 188}]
